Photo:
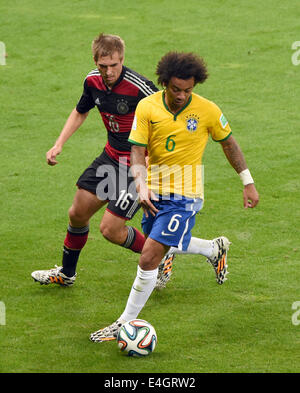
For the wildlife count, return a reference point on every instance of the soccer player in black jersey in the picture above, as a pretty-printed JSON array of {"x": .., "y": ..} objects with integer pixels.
[{"x": 115, "y": 90}]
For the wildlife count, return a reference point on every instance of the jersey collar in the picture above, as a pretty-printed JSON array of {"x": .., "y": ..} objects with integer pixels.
[
  {"x": 181, "y": 110},
  {"x": 119, "y": 80}
]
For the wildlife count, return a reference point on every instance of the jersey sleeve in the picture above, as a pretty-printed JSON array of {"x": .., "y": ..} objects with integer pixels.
[
  {"x": 86, "y": 101},
  {"x": 146, "y": 89},
  {"x": 219, "y": 127},
  {"x": 152, "y": 87},
  {"x": 140, "y": 127}
]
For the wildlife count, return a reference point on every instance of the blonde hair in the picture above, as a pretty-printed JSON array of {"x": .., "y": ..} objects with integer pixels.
[{"x": 106, "y": 45}]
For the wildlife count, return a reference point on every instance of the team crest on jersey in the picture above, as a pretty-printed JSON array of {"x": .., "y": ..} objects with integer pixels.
[
  {"x": 122, "y": 107},
  {"x": 192, "y": 122}
]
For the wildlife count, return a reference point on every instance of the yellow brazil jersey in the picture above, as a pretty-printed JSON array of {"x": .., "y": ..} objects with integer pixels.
[{"x": 176, "y": 143}]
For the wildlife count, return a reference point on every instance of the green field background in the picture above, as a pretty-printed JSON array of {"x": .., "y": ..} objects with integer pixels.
[{"x": 245, "y": 325}]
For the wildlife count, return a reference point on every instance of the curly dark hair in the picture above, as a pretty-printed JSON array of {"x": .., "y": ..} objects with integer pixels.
[{"x": 182, "y": 66}]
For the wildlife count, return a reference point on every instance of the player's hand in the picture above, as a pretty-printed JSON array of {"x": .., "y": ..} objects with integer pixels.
[
  {"x": 145, "y": 196},
  {"x": 51, "y": 155},
  {"x": 251, "y": 197}
]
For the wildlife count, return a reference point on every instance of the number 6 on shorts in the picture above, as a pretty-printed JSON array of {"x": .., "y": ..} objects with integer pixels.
[{"x": 174, "y": 223}]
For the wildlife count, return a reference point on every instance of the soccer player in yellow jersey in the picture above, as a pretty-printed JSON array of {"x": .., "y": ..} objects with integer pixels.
[
  {"x": 174, "y": 125},
  {"x": 176, "y": 141}
]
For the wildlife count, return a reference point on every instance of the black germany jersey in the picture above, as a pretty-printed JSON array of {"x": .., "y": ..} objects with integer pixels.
[{"x": 116, "y": 106}]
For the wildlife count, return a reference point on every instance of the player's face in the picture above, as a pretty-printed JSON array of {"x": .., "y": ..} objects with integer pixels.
[
  {"x": 110, "y": 67},
  {"x": 178, "y": 92}
]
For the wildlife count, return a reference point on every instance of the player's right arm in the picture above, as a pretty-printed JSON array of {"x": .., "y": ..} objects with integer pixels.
[
  {"x": 72, "y": 124},
  {"x": 139, "y": 172},
  {"x": 139, "y": 139}
]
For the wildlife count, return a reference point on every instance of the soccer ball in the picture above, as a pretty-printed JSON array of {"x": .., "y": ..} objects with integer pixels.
[{"x": 137, "y": 337}]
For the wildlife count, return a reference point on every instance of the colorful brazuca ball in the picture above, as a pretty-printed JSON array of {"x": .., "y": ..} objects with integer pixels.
[{"x": 137, "y": 337}]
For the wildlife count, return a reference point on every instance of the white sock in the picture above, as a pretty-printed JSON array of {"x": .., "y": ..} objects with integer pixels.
[
  {"x": 141, "y": 290},
  {"x": 196, "y": 246}
]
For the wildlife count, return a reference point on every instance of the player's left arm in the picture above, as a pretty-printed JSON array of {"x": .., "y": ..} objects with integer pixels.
[{"x": 236, "y": 159}]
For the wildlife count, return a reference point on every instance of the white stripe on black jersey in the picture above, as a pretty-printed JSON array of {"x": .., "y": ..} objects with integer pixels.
[
  {"x": 138, "y": 82},
  {"x": 135, "y": 79},
  {"x": 93, "y": 72}
]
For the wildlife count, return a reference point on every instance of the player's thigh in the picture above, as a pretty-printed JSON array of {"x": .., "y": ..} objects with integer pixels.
[
  {"x": 173, "y": 223},
  {"x": 125, "y": 202},
  {"x": 85, "y": 205}
]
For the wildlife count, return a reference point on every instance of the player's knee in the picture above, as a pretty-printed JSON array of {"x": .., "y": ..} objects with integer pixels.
[
  {"x": 77, "y": 217},
  {"x": 108, "y": 232},
  {"x": 149, "y": 260},
  {"x": 113, "y": 233}
]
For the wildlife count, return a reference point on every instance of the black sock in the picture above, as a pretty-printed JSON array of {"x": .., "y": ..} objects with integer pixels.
[
  {"x": 73, "y": 244},
  {"x": 69, "y": 262}
]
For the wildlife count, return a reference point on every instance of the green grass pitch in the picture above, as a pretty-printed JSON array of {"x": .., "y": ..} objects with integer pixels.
[{"x": 246, "y": 325}]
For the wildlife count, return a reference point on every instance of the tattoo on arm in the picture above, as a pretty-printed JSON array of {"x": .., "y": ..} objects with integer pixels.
[{"x": 234, "y": 154}]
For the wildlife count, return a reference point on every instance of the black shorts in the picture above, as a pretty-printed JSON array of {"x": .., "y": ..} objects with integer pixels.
[{"x": 112, "y": 182}]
